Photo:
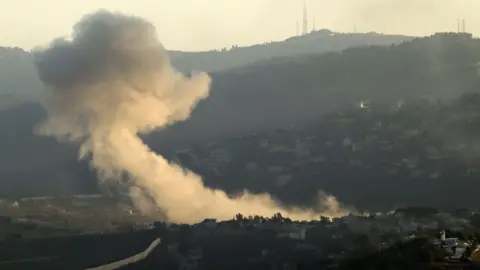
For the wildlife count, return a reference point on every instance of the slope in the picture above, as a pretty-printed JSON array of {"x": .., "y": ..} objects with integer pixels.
[
  {"x": 285, "y": 91},
  {"x": 316, "y": 42},
  {"x": 275, "y": 93}
]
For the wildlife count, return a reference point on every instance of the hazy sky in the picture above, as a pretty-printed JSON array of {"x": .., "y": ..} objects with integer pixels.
[{"x": 208, "y": 24}]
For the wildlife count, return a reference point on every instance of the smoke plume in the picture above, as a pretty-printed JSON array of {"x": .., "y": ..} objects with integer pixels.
[{"x": 112, "y": 81}]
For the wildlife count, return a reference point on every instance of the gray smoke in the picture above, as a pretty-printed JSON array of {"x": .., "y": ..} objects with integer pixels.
[{"x": 111, "y": 81}]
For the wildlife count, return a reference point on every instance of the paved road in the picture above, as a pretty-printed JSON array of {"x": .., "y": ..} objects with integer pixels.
[{"x": 79, "y": 252}]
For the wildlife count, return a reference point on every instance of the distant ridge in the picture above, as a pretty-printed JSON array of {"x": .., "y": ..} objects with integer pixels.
[
  {"x": 19, "y": 82},
  {"x": 315, "y": 42}
]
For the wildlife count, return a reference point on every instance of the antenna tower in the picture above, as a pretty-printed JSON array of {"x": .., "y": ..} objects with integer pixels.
[{"x": 305, "y": 19}]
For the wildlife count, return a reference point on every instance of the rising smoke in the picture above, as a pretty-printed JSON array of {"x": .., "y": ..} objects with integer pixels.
[{"x": 112, "y": 81}]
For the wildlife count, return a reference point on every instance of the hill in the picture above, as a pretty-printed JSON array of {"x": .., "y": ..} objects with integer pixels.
[
  {"x": 316, "y": 42},
  {"x": 419, "y": 153},
  {"x": 291, "y": 90},
  {"x": 19, "y": 82},
  {"x": 276, "y": 93},
  {"x": 18, "y": 78},
  {"x": 34, "y": 165}
]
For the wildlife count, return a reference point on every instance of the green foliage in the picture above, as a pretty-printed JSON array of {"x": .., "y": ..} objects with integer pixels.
[
  {"x": 325, "y": 220},
  {"x": 437, "y": 64},
  {"x": 415, "y": 254},
  {"x": 318, "y": 42}
]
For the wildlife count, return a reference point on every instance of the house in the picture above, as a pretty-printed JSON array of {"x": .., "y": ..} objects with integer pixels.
[
  {"x": 347, "y": 142},
  {"x": 364, "y": 104},
  {"x": 292, "y": 232},
  {"x": 298, "y": 234},
  {"x": 454, "y": 247}
]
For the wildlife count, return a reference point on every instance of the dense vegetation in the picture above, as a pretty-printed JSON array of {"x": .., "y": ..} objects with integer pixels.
[
  {"x": 417, "y": 254},
  {"x": 425, "y": 153},
  {"x": 287, "y": 91},
  {"x": 284, "y": 91},
  {"x": 18, "y": 77},
  {"x": 315, "y": 42}
]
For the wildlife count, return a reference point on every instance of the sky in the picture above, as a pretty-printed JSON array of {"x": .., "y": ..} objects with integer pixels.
[{"x": 193, "y": 25}]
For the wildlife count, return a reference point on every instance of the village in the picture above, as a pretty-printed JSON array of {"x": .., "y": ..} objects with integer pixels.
[
  {"x": 384, "y": 163},
  {"x": 252, "y": 242},
  {"x": 371, "y": 156}
]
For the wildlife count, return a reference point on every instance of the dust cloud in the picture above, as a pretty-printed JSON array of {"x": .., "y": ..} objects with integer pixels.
[{"x": 111, "y": 81}]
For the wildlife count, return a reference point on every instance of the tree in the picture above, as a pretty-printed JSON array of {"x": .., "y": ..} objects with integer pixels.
[
  {"x": 239, "y": 217},
  {"x": 325, "y": 220},
  {"x": 278, "y": 217}
]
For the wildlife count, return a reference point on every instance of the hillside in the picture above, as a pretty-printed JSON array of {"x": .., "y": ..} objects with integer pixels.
[
  {"x": 19, "y": 82},
  {"x": 316, "y": 42},
  {"x": 18, "y": 78},
  {"x": 417, "y": 254},
  {"x": 289, "y": 90},
  {"x": 275, "y": 93},
  {"x": 379, "y": 158}
]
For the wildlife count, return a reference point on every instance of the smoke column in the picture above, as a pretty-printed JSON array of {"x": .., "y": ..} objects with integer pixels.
[{"x": 112, "y": 81}]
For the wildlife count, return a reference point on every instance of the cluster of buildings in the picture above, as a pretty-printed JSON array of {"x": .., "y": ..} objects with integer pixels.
[
  {"x": 408, "y": 153},
  {"x": 254, "y": 240}
]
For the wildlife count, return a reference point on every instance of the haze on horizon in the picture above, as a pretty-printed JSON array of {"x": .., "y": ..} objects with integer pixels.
[{"x": 197, "y": 25}]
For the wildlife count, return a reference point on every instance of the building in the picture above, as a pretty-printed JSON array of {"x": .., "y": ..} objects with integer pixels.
[{"x": 454, "y": 247}]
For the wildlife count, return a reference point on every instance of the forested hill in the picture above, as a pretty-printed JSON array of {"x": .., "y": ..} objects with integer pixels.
[
  {"x": 316, "y": 42},
  {"x": 279, "y": 92},
  {"x": 18, "y": 80},
  {"x": 289, "y": 90}
]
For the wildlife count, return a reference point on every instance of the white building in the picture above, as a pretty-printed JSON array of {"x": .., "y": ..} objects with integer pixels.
[
  {"x": 298, "y": 234},
  {"x": 454, "y": 247}
]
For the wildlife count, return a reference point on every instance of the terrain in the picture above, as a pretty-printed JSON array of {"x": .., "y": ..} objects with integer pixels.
[
  {"x": 18, "y": 79},
  {"x": 275, "y": 94},
  {"x": 404, "y": 239},
  {"x": 377, "y": 158},
  {"x": 295, "y": 90},
  {"x": 315, "y": 42}
]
